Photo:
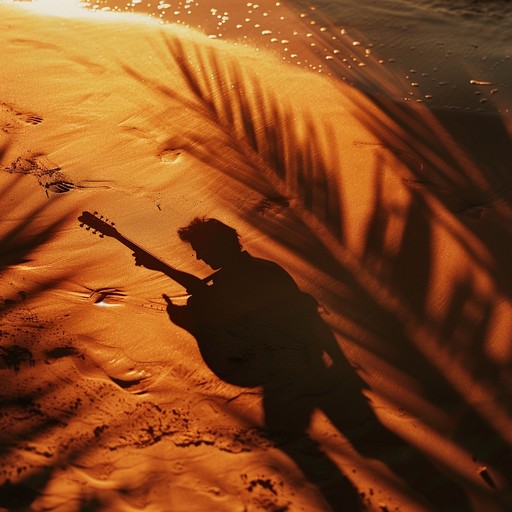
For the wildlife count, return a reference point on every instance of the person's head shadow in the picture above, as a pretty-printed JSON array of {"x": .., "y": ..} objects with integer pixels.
[{"x": 214, "y": 242}]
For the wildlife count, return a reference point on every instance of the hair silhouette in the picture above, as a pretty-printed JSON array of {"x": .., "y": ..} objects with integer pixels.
[{"x": 204, "y": 230}]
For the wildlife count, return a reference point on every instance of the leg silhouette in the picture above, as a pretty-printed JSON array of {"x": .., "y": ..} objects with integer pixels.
[{"x": 287, "y": 417}]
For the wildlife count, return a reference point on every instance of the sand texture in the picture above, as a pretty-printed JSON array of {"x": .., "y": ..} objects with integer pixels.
[{"x": 394, "y": 218}]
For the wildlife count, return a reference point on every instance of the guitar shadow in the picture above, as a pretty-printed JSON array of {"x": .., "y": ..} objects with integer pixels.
[{"x": 256, "y": 328}]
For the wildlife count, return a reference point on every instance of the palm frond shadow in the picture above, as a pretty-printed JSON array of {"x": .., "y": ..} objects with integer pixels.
[
  {"x": 18, "y": 244},
  {"x": 475, "y": 195},
  {"x": 280, "y": 153},
  {"x": 461, "y": 167},
  {"x": 50, "y": 425},
  {"x": 476, "y": 200}
]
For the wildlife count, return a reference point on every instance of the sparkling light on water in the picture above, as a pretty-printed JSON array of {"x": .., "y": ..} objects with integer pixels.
[{"x": 363, "y": 46}]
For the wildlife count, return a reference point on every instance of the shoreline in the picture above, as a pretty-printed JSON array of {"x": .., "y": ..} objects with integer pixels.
[{"x": 443, "y": 62}]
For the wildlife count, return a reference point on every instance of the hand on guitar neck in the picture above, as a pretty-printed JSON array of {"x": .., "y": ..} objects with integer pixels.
[
  {"x": 144, "y": 259},
  {"x": 192, "y": 283}
]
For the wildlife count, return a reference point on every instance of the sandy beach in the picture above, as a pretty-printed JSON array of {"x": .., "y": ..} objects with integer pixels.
[{"x": 391, "y": 212}]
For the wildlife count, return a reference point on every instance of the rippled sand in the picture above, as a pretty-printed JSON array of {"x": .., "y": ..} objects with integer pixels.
[{"x": 394, "y": 218}]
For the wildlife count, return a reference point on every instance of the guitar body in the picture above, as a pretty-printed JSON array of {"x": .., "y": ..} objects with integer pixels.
[
  {"x": 226, "y": 356},
  {"x": 233, "y": 352},
  {"x": 253, "y": 326}
]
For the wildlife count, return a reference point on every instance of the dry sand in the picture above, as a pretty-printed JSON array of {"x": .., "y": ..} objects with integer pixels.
[{"x": 394, "y": 218}]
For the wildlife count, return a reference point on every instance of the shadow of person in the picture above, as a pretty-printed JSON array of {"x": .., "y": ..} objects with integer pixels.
[{"x": 255, "y": 327}]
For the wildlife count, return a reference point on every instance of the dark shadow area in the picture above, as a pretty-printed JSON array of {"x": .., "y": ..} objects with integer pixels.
[
  {"x": 22, "y": 238},
  {"x": 22, "y": 494},
  {"x": 466, "y": 167},
  {"x": 254, "y": 327},
  {"x": 19, "y": 240}
]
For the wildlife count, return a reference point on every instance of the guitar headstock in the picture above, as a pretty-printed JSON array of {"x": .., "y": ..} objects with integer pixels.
[{"x": 98, "y": 223}]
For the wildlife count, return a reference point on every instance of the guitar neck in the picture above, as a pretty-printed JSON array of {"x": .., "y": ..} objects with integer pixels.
[
  {"x": 133, "y": 246},
  {"x": 190, "y": 282}
]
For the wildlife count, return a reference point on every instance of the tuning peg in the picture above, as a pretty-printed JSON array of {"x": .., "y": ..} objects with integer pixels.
[
  {"x": 101, "y": 216},
  {"x": 94, "y": 232},
  {"x": 81, "y": 224},
  {"x": 102, "y": 235},
  {"x": 95, "y": 213},
  {"x": 88, "y": 228},
  {"x": 112, "y": 223}
]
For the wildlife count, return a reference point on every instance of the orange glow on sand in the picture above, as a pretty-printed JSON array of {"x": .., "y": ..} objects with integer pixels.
[
  {"x": 356, "y": 357},
  {"x": 61, "y": 8}
]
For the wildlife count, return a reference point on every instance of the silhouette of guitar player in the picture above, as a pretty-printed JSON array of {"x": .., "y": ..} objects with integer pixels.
[
  {"x": 253, "y": 324},
  {"x": 255, "y": 327}
]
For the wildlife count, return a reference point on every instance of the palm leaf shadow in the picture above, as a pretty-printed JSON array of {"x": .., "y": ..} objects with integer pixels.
[
  {"x": 18, "y": 243},
  {"x": 275, "y": 158},
  {"x": 475, "y": 192},
  {"x": 469, "y": 176},
  {"x": 267, "y": 137},
  {"x": 17, "y": 246}
]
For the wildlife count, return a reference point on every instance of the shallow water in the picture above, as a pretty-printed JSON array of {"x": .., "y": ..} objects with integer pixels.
[{"x": 451, "y": 54}]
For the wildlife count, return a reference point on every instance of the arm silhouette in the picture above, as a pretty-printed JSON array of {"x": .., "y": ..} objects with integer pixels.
[{"x": 190, "y": 282}]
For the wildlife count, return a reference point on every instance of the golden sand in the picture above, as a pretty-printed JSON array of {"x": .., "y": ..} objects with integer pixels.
[{"x": 394, "y": 218}]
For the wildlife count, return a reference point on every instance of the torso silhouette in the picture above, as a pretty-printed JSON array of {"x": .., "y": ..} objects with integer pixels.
[{"x": 253, "y": 325}]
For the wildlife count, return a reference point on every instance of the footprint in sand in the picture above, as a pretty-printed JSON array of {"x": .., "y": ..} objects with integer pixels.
[
  {"x": 111, "y": 364},
  {"x": 174, "y": 148},
  {"x": 135, "y": 386},
  {"x": 170, "y": 156},
  {"x": 33, "y": 119},
  {"x": 107, "y": 296},
  {"x": 14, "y": 120},
  {"x": 48, "y": 176}
]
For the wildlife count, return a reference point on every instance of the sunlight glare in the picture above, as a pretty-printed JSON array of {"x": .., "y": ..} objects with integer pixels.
[{"x": 62, "y": 8}]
